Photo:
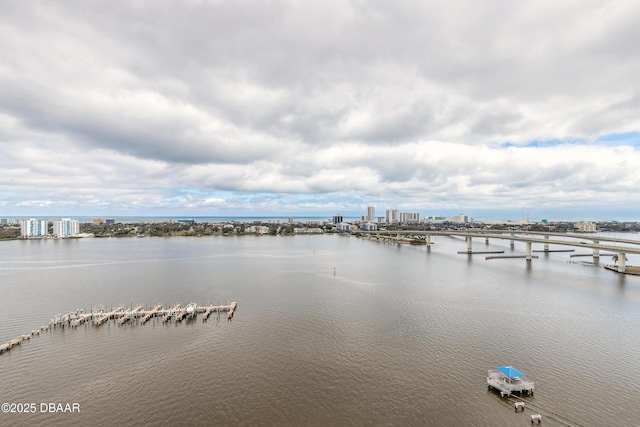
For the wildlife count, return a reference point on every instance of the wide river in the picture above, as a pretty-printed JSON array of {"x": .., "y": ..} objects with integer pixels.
[{"x": 329, "y": 331}]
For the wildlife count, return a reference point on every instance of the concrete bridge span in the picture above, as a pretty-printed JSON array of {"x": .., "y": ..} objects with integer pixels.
[{"x": 622, "y": 247}]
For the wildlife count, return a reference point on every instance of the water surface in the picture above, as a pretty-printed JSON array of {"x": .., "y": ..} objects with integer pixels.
[{"x": 329, "y": 330}]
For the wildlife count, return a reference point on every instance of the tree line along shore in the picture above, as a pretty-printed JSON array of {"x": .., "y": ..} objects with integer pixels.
[{"x": 234, "y": 228}]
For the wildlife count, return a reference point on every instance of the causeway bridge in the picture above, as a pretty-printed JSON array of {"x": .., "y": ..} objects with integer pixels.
[{"x": 597, "y": 243}]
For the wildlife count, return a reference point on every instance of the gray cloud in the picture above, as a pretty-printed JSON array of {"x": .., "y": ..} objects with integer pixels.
[{"x": 226, "y": 105}]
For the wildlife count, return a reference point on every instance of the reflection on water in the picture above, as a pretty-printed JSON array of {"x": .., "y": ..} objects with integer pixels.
[{"x": 400, "y": 335}]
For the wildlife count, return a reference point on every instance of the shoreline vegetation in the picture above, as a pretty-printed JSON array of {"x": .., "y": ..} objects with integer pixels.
[{"x": 239, "y": 228}]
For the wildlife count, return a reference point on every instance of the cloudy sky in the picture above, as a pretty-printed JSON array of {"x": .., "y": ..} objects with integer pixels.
[{"x": 298, "y": 108}]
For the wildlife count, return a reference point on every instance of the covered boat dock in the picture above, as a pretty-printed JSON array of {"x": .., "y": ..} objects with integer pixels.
[{"x": 507, "y": 380}]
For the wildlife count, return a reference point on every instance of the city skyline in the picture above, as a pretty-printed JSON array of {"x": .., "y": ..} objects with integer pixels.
[{"x": 505, "y": 111}]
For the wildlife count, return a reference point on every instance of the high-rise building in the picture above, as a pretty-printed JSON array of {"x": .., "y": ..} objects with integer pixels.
[
  {"x": 410, "y": 217},
  {"x": 343, "y": 227},
  {"x": 371, "y": 213},
  {"x": 34, "y": 227},
  {"x": 66, "y": 227},
  {"x": 368, "y": 226},
  {"x": 337, "y": 219},
  {"x": 392, "y": 216},
  {"x": 462, "y": 218}
]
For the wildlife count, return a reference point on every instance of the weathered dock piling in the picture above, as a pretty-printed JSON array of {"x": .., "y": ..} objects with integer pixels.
[
  {"x": 122, "y": 316},
  {"x": 207, "y": 310},
  {"x": 151, "y": 313},
  {"x": 129, "y": 314},
  {"x": 170, "y": 313},
  {"x": 206, "y": 313},
  {"x": 232, "y": 308},
  {"x": 102, "y": 319}
]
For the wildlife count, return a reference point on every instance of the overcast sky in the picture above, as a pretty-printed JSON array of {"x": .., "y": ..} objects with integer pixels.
[{"x": 298, "y": 108}]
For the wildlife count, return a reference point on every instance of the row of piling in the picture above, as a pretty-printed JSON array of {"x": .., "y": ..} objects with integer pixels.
[
  {"x": 99, "y": 317},
  {"x": 18, "y": 340}
]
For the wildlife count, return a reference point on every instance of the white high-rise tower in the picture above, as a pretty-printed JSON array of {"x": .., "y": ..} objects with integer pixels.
[
  {"x": 371, "y": 213},
  {"x": 34, "y": 227},
  {"x": 66, "y": 227}
]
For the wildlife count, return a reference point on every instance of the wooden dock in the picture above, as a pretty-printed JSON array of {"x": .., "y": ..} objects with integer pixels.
[
  {"x": 170, "y": 313},
  {"x": 129, "y": 314},
  {"x": 107, "y": 316},
  {"x": 207, "y": 310},
  {"x": 122, "y": 315},
  {"x": 181, "y": 314},
  {"x": 151, "y": 313}
]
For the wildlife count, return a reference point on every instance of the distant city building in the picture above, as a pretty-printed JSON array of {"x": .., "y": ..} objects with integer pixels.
[
  {"x": 98, "y": 221},
  {"x": 436, "y": 219},
  {"x": 462, "y": 218},
  {"x": 290, "y": 220},
  {"x": 392, "y": 216},
  {"x": 586, "y": 226},
  {"x": 337, "y": 219},
  {"x": 258, "y": 229},
  {"x": 368, "y": 226},
  {"x": 109, "y": 221},
  {"x": 308, "y": 230},
  {"x": 410, "y": 218},
  {"x": 343, "y": 227},
  {"x": 34, "y": 227},
  {"x": 4, "y": 221},
  {"x": 371, "y": 213},
  {"x": 187, "y": 221},
  {"x": 66, "y": 227},
  {"x": 273, "y": 221}
]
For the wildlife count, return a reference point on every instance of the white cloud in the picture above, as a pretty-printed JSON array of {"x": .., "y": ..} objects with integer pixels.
[{"x": 314, "y": 105}]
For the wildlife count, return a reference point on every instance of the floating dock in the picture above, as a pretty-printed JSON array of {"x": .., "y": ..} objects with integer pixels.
[
  {"x": 100, "y": 316},
  {"x": 507, "y": 380}
]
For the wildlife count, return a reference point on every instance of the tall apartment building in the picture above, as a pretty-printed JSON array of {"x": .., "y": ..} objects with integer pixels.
[
  {"x": 410, "y": 217},
  {"x": 66, "y": 227},
  {"x": 337, "y": 219},
  {"x": 34, "y": 227},
  {"x": 371, "y": 213},
  {"x": 392, "y": 216},
  {"x": 368, "y": 226},
  {"x": 462, "y": 218}
]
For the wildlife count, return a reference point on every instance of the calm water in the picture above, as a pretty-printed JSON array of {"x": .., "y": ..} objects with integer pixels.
[{"x": 398, "y": 336}]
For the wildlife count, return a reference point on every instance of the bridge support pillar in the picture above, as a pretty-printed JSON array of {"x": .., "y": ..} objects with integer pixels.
[
  {"x": 511, "y": 242},
  {"x": 622, "y": 262},
  {"x": 528, "y": 257},
  {"x": 546, "y": 244},
  {"x": 596, "y": 251},
  {"x": 469, "y": 245},
  {"x": 428, "y": 240},
  {"x": 486, "y": 240}
]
